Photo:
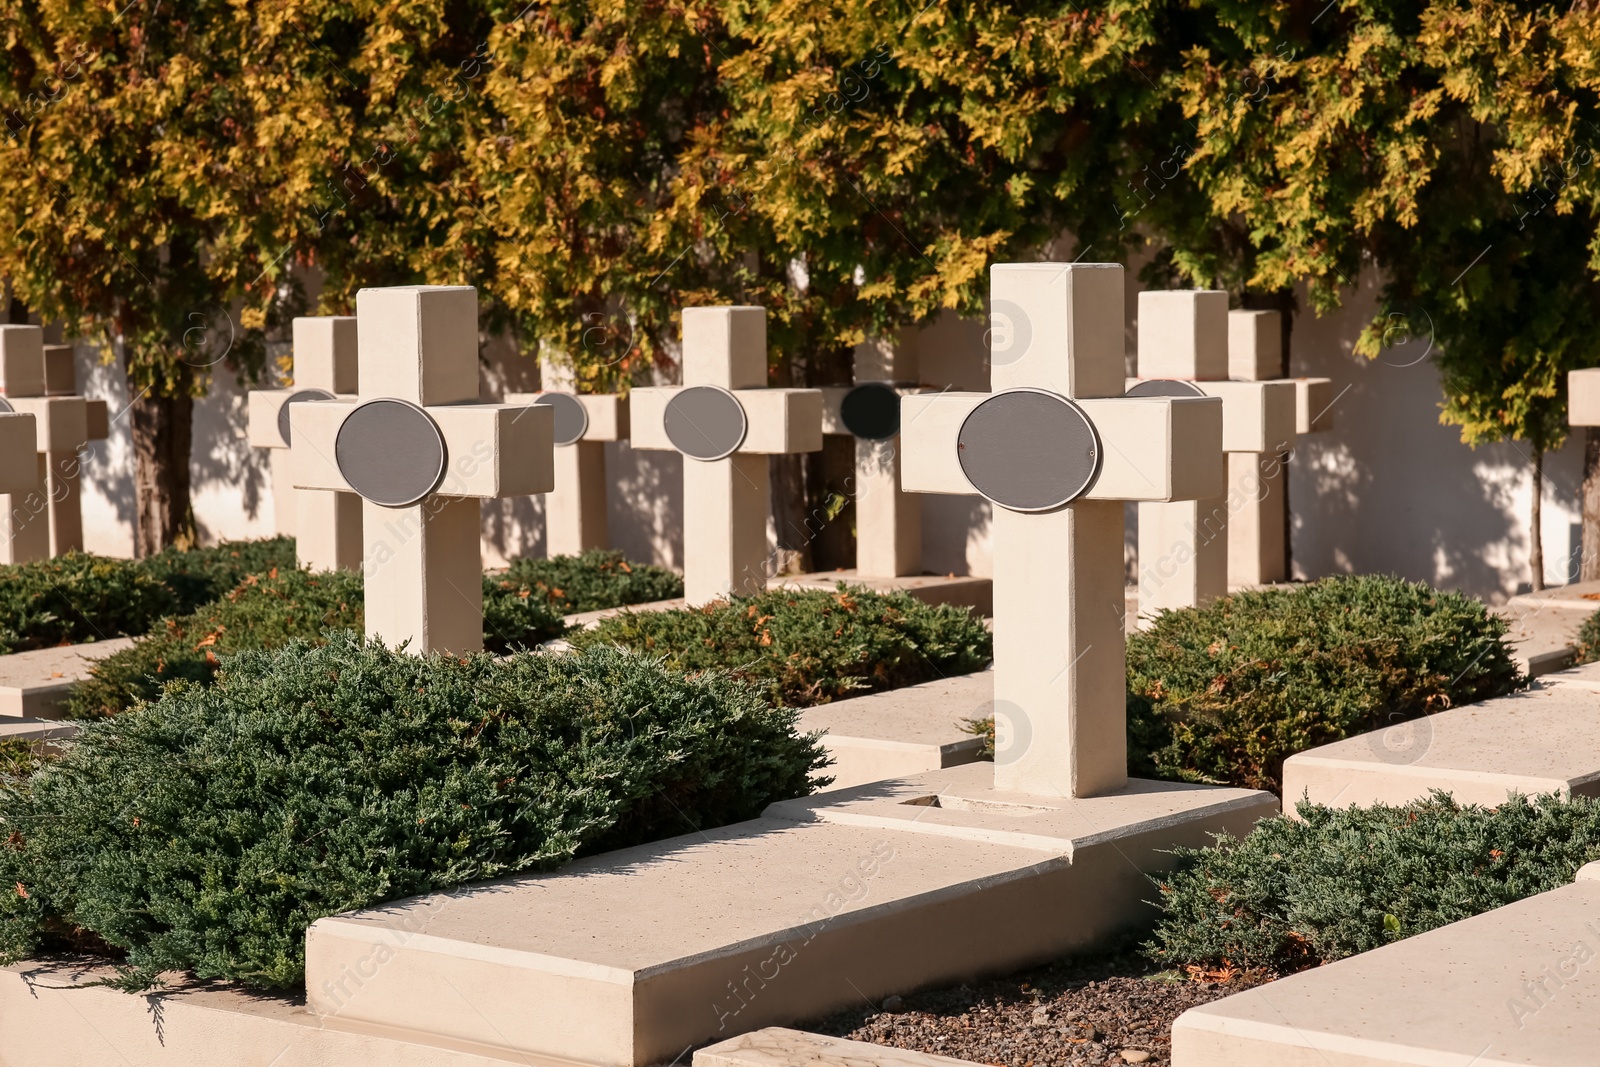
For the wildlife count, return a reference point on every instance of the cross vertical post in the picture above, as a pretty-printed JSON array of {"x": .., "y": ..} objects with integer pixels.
[
  {"x": 421, "y": 452},
  {"x": 64, "y": 467},
  {"x": 1258, "y": 537},
  {"x": 1057, "y": 449},
  {"x": 575, "y": 511},
  {"x": 326, "y": 526},
  {"x": 1183, "y": 350},
  {"x": 888, "y": 521},
  {"x": 725, "y": 422}
]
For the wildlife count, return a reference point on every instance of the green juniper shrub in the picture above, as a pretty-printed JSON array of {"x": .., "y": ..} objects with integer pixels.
[
  {"x": 809, "y": 646},
  {"x": 200, "y": 575},
  {"x": 1294, "y": 894},
  {"x": 599, "y": 578},
  {"x": 271, "y": 609},
  {"x": 18, "y": 759},
  {"x": 1588, "y": 640},
  {"x": 79, "y": 597},
  {"x": 1227, "y": 692},
  {"x": 206, "y": 831}
]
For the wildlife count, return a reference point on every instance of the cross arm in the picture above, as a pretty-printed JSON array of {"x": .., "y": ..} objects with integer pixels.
[
  {"x": 778, "y": 421},
  {"x": 1256, "y": 416},
  {"x": 1153, "y": 448},
  {"x": 62, "y": 421},
  {"x": 1313, "y": 405},
  {"x": 491, "y": 450},
  {"x": 607, "y": 412}
]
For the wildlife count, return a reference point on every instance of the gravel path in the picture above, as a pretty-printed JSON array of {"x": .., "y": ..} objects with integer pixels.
[{"x": 1106, "y": 1010}]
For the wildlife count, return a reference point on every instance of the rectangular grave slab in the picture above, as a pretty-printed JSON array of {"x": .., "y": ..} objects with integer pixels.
[
  {"x": 962, "y": 591},
  {"x": 902, "y": 731},
  {"x": 35, "y": 684},
  {"x": 1543, "y": 634},
  {"x": 40, "y": 732},
  {"x": 629, "y": 958},
  {"x": 778, "y": 1046},
  {"x": 1517, "y": 985},
  {"x": 1586, "y": 676},
  {"x": 55, "y": 1016},
  {"x": 1581, "y": 597},
  {"x": 1540, "y": 741}
]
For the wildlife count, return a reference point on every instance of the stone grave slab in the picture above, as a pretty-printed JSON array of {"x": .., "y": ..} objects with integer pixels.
[
  {"x": 1586, "y": 676},
  {"x": 34, "y": 684},
  {"x": 778, "y": 1046},
  {"x": 1544, "y": 740},
  {"x": 39, "y": 731},
  {"x": 1581, "y": 597},
  {"x": 54, "y": 1015},
  {"x": 1511, "y": 986},
  {"x": 962, "y": 591},
  {"x": 630, "y": 957},
  {"x": 902, "y": 731}
]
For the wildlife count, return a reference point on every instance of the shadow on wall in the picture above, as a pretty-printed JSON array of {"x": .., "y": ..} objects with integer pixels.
[
  {"x": 107, "y": 485},
  {"x": 1391, "y": 490},
  {"x": 228, "y": 478}
]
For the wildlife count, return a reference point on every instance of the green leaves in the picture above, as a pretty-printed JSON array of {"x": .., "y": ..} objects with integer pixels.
[
  {"x": 808, "y": 647},
  {"x": 1293, "y": 894}
]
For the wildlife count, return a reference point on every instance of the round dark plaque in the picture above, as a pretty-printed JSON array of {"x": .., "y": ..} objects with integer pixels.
[
  {"x": 299, "y": 396},
  {"x": 391, "y": 452},
  {"x": 705, "y": 422},
  {"x": 572, "y": 420},
  {"x": 871, "y": 410},
  {"x": 1166, "y": 387},
  {"x": 6, "y": 406},
  {"x": 1029, "y": 450}
]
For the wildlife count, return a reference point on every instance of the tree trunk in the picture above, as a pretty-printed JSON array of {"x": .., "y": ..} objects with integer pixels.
[
  {"x": 1589, "y": 566},
  {"x": 162, "y": 429},
  {"x": 1535, "y": 539}
]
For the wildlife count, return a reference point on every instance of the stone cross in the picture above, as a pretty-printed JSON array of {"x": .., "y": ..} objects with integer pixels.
[
  {"x": 1057, "y": 448},
  {"x": 888, "y": 521},
  {"x": 575, "y": 511},
  {"x": 1257, "y": 537},
  {"x": 420, "y": 451},
  {"x": 63, "y": 427},
  {"x": 725, "y": 422},
  {"x": 326, "y": 526},
  {"x": 1583, "y": 397},
  {"x": 1183, "y": 351},
  {"x": 63, "y": 469}
]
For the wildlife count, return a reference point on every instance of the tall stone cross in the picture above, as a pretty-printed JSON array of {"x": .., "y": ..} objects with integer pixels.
[
  {"x": 1257, "y": 531},
  {"x": 575, "y": 511},
  {"x": 420, "y": 451},
  {"x": 1183, "y": 351},
  {"x": 888, "y": 521},
  {"x": 326, "y": 526},
  {"x": 62, "y": 425},
  {"x": 64, "y": 468},
  {"x": 1057, "y": 448},
  {"x": 725, "y": 422}
]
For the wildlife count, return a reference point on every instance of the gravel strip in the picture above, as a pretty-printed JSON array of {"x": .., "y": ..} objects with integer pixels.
[{"x": 1104, "y": 1010}]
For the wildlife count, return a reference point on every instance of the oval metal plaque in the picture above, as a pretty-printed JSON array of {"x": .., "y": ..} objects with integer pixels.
[
  {"x": 299, "y": 396},
  {"x": 572, "y": 419},
  {"x": 871, "y": 410},
  {"x": 1029, "y": 450},
  {"x": 391, "y": 452},
  {"x": 1166, "y": 387},
  {"x": 705, "y": 422},
  {"x": 6, "y": 406}
]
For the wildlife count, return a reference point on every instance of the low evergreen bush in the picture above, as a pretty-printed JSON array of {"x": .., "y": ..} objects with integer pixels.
[
  {"x": 809, "y": 646},
  {"x": 206, "y": 831},
  {"x": 80, "y": 597},
  {"x": 1293, "y": 894},
  {"x": 1588, "y": 640},
  {"x": 1227, "y": 692},
  {"x": 272, "y": 609},
  {"x": 597, "y": 579}
]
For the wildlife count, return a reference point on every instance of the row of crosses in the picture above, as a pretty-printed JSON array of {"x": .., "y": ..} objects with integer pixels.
[{"x": 43, "y": 515}]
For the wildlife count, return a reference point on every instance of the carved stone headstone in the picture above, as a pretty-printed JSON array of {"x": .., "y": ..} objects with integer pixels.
[
  {"x": 725, "y": 422},
  {"x": 421, "y": 452}
]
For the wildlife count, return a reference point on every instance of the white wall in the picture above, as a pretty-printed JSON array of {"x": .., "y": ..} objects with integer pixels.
[{"x": 1388, "y": 490}]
